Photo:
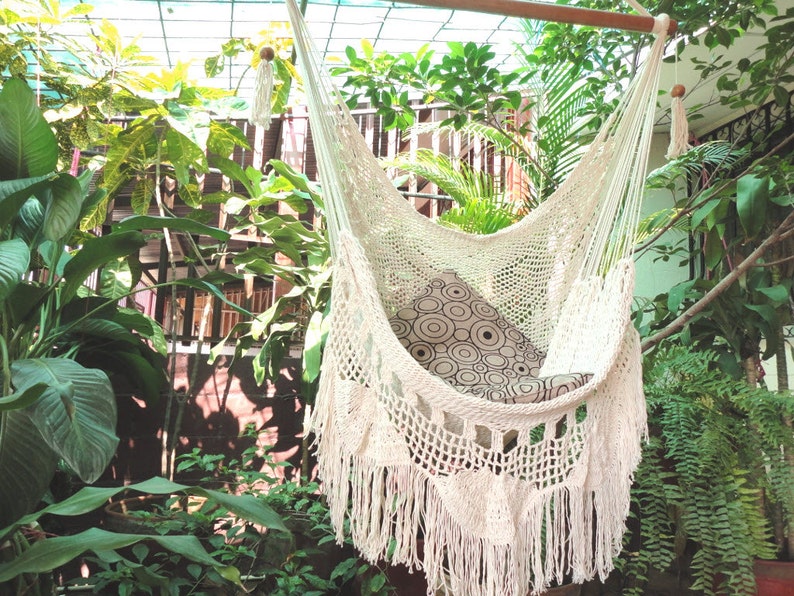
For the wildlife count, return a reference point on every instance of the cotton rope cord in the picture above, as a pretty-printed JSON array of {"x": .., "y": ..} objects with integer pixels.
[
  {"x": 262, "y": 104},
  {"x": 506, "y": 497},
  {"x": 679, "y": 126}
]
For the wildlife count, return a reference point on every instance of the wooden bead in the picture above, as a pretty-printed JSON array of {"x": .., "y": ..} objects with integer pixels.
[
  {"x": 267, "y": 53},
  {"x": 677, "y": 91}
]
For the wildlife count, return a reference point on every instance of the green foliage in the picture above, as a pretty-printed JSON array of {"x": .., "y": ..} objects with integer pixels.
[
  {"x": 729, "y": 211},
  {"x": 462, "y": 81},
  {"x": 535, "y": 115},
  {"x": 715, "y": 450},
  {"x": 255, "y": 532},
  {"x": 56, "y": 405},
  {"x": 300, "y": 313},
  {"x": 310, "y": 563},
  {"x": 177, "y": 531}
]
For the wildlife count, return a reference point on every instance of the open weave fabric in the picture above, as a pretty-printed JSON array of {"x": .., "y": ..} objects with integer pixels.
[{"x": 485, "y": 496}]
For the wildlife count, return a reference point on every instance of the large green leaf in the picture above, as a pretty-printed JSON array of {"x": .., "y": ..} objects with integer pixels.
[
  {"x": 316, "y": 334},
  {"x": 233, "y": 170},
  {"x": 22, "y": 399},
  {"x": 29, "y": 222},
  {"x": 26, "y": 466},
  {"x": 298, "y": 180},
  {"x": 14, "y": 193},
  {"x": 183, "y": 154},
  {"x": 146, "y": 326},
  {"x": 14, "y": 261},
  {"x": 63, "y": 209},
  {"x": 752, "y": 199},
  {"x": 116, "y": 279},
  {"x": 91, "y": 497},
  {"x": 105, "y": 330},
  {"x": 76, "y": 415},
  {"x": 225, "y": 137},
  {"x": 175, "y": 224},
  {"x": 95, "y": 253},
  {"x": 129, "y": 147},
  {"x": 46, "y": 555},
  {"x": 27, "y": 144}
]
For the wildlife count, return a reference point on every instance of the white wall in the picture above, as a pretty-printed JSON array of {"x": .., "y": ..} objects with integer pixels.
[{"x": 655, "y": 277}]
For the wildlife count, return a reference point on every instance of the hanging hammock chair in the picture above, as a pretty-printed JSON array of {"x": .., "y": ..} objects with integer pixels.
[{"x": 482, "y": 393}]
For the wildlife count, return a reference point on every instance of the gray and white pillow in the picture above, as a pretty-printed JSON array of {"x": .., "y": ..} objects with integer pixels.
[{"x": 455, "y": 334}]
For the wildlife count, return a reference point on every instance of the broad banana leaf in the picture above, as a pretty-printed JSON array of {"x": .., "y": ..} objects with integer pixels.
[
  {"x": 76, "y": 416},
  {"x": 27, "y": 144},
  {"x": 27, "y": 465}
]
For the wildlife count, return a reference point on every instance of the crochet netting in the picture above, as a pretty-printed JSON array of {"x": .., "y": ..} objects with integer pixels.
[{"x": 484, "y": 497}]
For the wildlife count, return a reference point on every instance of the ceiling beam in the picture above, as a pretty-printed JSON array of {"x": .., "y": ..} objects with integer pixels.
[{"x": 558, "y": 13}]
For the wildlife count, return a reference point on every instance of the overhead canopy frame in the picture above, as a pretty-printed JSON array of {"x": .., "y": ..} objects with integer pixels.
[{"x": 559, "y": 13}]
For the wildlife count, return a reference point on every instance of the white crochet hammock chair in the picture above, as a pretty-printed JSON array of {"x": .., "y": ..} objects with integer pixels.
[{"x": 511, "y": 481}]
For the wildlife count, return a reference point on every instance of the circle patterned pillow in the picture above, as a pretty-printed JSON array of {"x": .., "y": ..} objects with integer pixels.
[{"x": 455, "y": 334}]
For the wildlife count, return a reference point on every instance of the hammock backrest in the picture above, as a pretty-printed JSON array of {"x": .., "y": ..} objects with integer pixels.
[{"x": 526, "y": 270}]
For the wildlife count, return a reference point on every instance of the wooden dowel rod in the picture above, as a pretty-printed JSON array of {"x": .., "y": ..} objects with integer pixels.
[{"x": 559, "y": 13}]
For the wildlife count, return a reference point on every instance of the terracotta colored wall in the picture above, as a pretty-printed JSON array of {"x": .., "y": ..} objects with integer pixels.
[{"x": 209, "y": 423}]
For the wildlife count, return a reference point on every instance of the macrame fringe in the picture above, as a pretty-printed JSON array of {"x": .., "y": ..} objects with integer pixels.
[
  {"x": 679, "y": 127},
  {"x": 556, "y": 540},
  {"x": 523, "y": 537},
  {"x": 262, "y": 105}
]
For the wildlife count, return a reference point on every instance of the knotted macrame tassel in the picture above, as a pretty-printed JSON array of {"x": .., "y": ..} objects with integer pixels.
[
  {"x": 679, "y": 127},
  {"x": 261, "y": 108}
]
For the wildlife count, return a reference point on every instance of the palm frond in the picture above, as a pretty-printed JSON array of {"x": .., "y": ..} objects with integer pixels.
[
  {"x": 481, "y": 216},
  {"x": 460, "y": 181},
  {"x": 655, "y": 222},
  {"x": 712, "y": 156}
]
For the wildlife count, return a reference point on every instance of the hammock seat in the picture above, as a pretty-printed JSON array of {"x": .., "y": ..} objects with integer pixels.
[{"x": 482, "y": 394}]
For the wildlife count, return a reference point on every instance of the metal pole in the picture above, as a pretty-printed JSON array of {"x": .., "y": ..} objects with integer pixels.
[{"x": 558, "y": 13}]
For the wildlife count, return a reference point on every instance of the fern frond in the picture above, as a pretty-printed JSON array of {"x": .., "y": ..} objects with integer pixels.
[{"x": 705, "y": 472}]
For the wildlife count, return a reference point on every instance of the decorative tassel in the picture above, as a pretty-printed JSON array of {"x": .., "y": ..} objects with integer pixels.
[
  {"x": 679, "y": 128},
  {"x": 261, "y": 108}
]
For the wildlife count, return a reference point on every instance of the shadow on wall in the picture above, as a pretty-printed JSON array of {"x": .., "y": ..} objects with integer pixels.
[{"x": 212, "y": 419}]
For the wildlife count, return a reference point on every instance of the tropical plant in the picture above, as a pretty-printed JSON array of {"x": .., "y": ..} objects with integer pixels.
[
  {"x": 539, "y": 116},
  {"x": 300, "y": 312},
  {"x": 731, "y": 215},
  {"x": 251, "y": 533},
  {"x": 141, "y": 568},
  {"x": 714, "y": 456},
  {"x": 53, "y": 407},
  {"x": 311, "y": 562},
  {"x": 64, "y": 342}
]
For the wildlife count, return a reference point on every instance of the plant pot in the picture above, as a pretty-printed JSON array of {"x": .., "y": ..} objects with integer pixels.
[{"x": 774, "y": 578}]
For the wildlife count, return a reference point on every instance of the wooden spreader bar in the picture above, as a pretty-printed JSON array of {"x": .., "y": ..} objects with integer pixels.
[{"x": 551, "y": 12}]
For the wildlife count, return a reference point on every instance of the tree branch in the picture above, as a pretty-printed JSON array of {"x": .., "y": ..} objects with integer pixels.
[
  {"x": 778, "y": 234},
  {"x": 778, "y": 262}
]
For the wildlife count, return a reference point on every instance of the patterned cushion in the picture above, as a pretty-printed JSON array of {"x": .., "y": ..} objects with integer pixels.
[
  {"x": 455, "y": 334},
  {"x": 528, "y": 390}
]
